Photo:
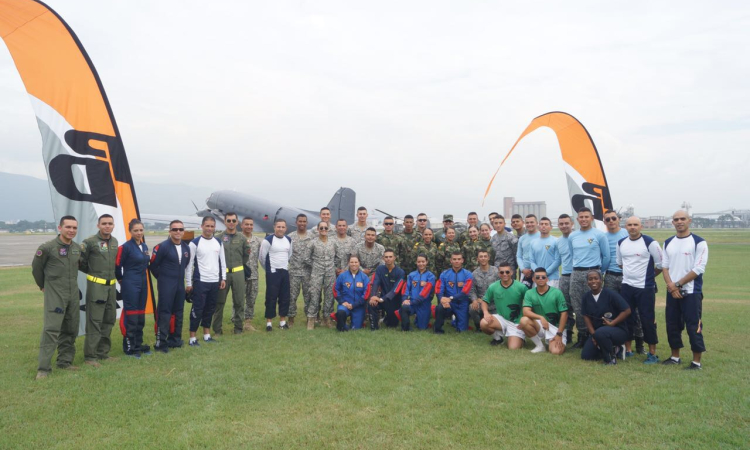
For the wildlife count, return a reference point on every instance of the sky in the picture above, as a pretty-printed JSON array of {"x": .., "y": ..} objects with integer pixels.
[{"x": 414, "y": 104}]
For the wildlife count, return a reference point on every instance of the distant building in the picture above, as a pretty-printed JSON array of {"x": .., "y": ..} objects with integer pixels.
[{"x": 510, "y": 207}]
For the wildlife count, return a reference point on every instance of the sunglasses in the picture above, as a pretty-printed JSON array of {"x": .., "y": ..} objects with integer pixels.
[
  {"x": 176, "y": 229},
  {"x": 422, "y": 220},
  {"x": 387, "y": 223},
  {"x": 231, "y": 220},
  {"x": 323, "y": 228},
  {"x": 540, "y": 277},
  {"x": 505, "y": 272},
  {"x": 611, "y": 219}
]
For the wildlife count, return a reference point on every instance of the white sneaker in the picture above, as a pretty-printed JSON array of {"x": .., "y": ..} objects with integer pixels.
[{"x": 539, "y": 349}]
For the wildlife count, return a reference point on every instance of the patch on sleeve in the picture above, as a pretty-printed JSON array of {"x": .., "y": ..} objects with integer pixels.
[{"x": 39, "y": 252}]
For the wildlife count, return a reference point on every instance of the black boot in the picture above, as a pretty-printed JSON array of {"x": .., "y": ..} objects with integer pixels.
[
  {"x": 340, "y": 320},
  {"x": 582, "y": 336},
  {"x": 374, "y": 314},
  {"x": 639, "y": 346},
  {"x": 569, "y": 336}
]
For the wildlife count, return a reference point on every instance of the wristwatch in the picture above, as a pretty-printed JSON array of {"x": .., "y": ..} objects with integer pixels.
[
  {"x": 559, "y": 333},
  {"x": 678, "y": 285}
]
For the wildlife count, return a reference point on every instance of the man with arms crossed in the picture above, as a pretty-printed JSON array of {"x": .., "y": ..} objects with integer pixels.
[{"x": 275, "y": 253}]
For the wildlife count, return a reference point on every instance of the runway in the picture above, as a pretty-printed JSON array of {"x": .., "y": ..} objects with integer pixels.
[{"x": 19, "y": 249}]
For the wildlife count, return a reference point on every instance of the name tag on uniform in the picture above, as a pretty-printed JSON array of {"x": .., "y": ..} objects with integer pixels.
[
  {"x": 103, "y": 246},
  {"x": 359, "y": 284},
  {"x": 460, "y": 283},
  {"x": 226, "y": 238},
  {"x": 63, "y": 251},
  {"x": 422, "y": 283}
]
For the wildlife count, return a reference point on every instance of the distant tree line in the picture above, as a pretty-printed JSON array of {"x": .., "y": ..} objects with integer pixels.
[{"x": 23, "y": 226}]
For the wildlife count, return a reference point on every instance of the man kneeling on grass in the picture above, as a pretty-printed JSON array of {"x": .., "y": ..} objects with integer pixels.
[
  {"x": 507, "y": 296},
  {"x": 545, "y": 315}
]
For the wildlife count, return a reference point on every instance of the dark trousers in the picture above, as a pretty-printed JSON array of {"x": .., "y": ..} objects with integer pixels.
[
  {"x": 204, "y": 304},
  {"x": 133, "y": 317},
  {"x": 641, "y": 301},
  {"x": 357, "y": 314},
  {"x": 277, "y": 292},
  {"x": 458, "y": 308},
  {"x": 608, "y": 338},
  {"x": 685, "y": 313},
  {"x": 170, "y": 311},
  {"x": 390, "y": 306}
]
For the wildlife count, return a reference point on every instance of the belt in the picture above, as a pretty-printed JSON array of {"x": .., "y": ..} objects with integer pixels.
[
  {"x": 235, "y": 269},
  {"x": 581, "y": 269},
  {"x": 612, "y": 272},
  {"x": 100, "y": 280},
  {"x": 565, "y": 275}
]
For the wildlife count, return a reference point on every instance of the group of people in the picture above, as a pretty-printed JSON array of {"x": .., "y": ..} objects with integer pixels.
[{"x": 513, "y": 284}]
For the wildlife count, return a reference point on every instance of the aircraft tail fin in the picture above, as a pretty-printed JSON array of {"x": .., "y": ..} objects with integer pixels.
[{"x": 342, "y": 205}]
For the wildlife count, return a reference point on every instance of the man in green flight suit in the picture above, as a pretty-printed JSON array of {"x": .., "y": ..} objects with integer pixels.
[
  {"x": 236, "y": 252},
  {"x": 55, "y": 271},
  {"x": 98, "y": 257}
]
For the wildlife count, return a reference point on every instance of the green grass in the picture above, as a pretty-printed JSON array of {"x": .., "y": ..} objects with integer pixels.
[{"x": 323, "y": 389}]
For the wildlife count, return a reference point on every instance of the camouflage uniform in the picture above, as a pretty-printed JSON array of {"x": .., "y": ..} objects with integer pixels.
[
  {"x": 98, "y": 262},
  {"x": 321, "y": 257},
  {"x": 439, "y": 236},
  {"x": 55, "y": 269},
  {"x": 344, "y": 248},
  {"x": 505, "y": 246},
  {"x": 470, "y": 253},
  {"x": 251, "y": 283},
  {"x": 409, "y": 239},
  {"x": 482, "y": 281},
  {"x": 369, "y": 258},
  {"x": 237, "y": 253},
  {"x": 444, "y": 255},
  {"x": 431, "y": 251},
  {"x": 463, "y": 238},
  {"x": 392, "y": 241},
  {"x": 299, "y": 271},
  {"x": 357, "y": 233}
]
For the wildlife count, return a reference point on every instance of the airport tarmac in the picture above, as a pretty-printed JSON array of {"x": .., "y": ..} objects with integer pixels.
[{"x": 19, "y": 249}]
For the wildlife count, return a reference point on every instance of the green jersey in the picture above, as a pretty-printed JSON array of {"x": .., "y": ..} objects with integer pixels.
[
  {"x": 508, "y": 301},
  {"x": 548, "y": 305}
]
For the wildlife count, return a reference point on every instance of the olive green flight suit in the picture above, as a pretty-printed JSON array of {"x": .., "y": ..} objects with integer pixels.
[
  {"x": 55, "y": 269},
  {"x": 98, "y": 257},
  {"x": 237, "y": 252}
]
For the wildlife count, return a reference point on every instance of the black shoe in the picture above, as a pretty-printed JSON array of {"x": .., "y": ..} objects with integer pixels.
[
  {"x": 693, "y": 366},
  {"x": 671, "y": 362},
  {"x": 611, "y": 362},
  {"x": 161, "y": 348},
  {"x": 238, "y": 331},
  {"x": 284, "y": 327},
  {"x": 497, "y": 341},
  {"x": 210, "y": 340},
  {"x": 269, "y": 327},
  {"x": 439, "y": 331},
  {"x": 194, "y": 343},
  {"x": 582, "y": 336}
]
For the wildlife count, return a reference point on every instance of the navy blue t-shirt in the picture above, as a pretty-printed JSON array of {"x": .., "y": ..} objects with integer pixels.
[{"x": 609, "y": 305}]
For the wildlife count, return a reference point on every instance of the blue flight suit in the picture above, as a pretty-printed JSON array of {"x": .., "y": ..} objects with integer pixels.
[
  {"x": 352, "y": 289},
  {"x": 389, "y": 286},
  {"x": 169, "y": 270},
  {"x": 418, "y": 290},
  {"x": 455, "y": 285},
  {"x": 131, "y": 268}
]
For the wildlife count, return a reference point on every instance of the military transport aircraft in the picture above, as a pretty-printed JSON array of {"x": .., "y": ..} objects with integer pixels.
[{"x": 263, "y": 211}]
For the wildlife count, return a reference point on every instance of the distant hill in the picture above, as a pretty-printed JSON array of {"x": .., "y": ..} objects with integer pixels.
[{"x": 24, "y": 197}]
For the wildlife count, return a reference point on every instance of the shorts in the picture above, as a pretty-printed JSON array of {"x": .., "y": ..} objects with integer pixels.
[
  {"x": 509, "y": 328},
  {"x": 551, "y": 333}
]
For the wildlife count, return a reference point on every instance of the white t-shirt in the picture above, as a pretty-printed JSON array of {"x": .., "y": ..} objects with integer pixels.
[
  {"x": 683, "y": 255},
  {"x": 211, "y": 267},
  {"x": 638, "y": 259}
]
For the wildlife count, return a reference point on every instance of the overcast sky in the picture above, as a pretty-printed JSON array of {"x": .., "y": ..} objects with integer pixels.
[{"x": 413, "y": 104}]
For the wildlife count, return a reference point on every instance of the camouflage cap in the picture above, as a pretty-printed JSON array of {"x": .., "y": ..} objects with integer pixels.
[{"x": 447, "y": 217}]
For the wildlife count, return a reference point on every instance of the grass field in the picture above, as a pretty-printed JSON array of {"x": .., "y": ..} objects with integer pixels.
[{"x": 323, "y": 389}]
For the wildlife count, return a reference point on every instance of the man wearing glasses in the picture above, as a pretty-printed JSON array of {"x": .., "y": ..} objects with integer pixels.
[
  {"x": 590, "y": 250},
  {"x": 506, "y": 296},
  {"x": 685, "y": 258},
  {"x": 321, "y": 255},
  {"x": 389, "y": 239},
  {"x": 545, "y": 314},
  {"x": 421, "y": 224},
  {"x": 168, "y": 263},
  {"x": 236, "y": 253}
]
